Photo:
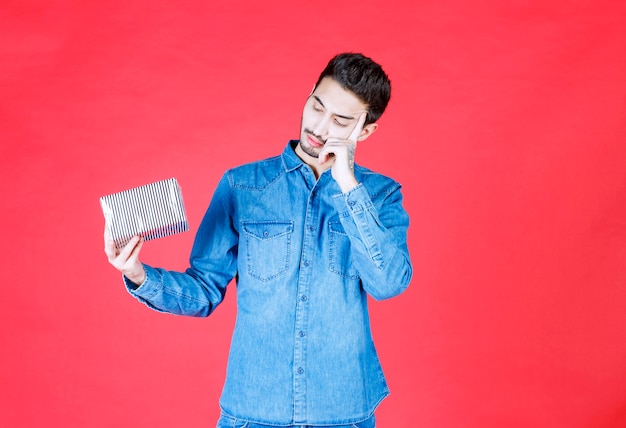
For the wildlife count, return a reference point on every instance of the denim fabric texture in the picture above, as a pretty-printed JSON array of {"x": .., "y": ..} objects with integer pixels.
[
  {"x": 305, "y": 257},
  {"x": 227, "y": 421}
]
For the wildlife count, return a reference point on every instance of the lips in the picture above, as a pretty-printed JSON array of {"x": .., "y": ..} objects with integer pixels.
[{"x": 313, "y": 142}]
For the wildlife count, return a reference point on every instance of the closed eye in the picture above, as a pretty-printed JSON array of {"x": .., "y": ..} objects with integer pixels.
[
  {"x": 340, "y": 120},
  {"x": 341, "y": 123}
]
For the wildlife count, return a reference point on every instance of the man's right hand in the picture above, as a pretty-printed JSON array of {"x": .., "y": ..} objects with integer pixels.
[{"x": 127, "y": 259}]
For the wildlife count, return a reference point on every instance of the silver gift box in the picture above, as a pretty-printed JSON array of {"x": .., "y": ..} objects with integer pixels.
[{"x": 153, "y": 211}]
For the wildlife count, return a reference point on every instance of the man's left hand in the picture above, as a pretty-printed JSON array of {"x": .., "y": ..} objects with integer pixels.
[{"x": 341, "y": 153}]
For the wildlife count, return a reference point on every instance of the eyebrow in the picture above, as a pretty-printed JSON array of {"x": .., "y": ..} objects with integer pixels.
[{"x": 335, "y": 114}]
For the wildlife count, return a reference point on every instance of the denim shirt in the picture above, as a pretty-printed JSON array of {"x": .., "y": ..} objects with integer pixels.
[{"x": 305, "y": 256}]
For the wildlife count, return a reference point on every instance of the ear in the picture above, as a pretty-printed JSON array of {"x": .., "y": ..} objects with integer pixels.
[{"x": 367, "y": 131}]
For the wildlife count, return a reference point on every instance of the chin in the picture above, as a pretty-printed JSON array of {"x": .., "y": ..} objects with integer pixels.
[{"x": 308, "y": 150}]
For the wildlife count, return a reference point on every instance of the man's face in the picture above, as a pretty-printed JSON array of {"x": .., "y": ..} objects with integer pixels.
[{"x": 330, "y": 112}]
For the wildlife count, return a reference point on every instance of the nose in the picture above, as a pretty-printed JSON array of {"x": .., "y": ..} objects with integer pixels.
[{"x": 321, "y": 126}]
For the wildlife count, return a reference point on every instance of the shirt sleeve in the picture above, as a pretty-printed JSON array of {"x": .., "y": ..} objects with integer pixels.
[
  {"x": 213, "y": 265},
  {"x": 378, "y": 238}
]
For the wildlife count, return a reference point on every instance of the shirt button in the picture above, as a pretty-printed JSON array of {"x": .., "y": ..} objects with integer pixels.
[
  {"x": 312, "y": 228},
  {"x": 304, "y": 298},
  {"x": 306, "y": 263},
  {"x": 266, "y": 234},
  {"x": 300, "y": 370},
  {"x": 301, "y": 333},
  {"x": 351, "y": 203}
]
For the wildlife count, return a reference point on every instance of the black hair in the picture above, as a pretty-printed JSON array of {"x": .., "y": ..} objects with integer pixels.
[{"x": 364, "y": 77}]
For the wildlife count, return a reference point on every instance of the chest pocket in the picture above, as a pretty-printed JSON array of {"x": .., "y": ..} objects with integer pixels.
[
  {"x": 267, "y": 248},
  {"x": 340, "y": 261}
]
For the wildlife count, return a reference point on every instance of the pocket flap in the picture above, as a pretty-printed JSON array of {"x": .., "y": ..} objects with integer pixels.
[{"x": 267, "y": 229}]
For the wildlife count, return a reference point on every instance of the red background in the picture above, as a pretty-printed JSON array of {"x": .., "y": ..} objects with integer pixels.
[{"x": 506, "y": 127}]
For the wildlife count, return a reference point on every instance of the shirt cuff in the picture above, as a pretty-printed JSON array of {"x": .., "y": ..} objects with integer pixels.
[
  {"x": 148, "y": 288},
  {"x": 354, "y": 201}
]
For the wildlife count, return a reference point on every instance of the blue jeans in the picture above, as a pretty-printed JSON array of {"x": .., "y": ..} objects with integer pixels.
[{"x": 227, "y": 421}]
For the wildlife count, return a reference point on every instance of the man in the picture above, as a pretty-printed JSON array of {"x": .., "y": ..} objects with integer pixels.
[{"x": 307, "y": 234}]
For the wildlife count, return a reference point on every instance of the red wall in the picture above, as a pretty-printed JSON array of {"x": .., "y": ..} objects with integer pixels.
[{"x": 507, "y": 128}]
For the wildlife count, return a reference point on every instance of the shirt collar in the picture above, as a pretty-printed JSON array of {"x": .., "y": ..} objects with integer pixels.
[{"x": 291, "y": 161}]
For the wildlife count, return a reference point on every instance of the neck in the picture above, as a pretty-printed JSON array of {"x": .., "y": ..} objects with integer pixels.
[{"x": 311, "y": 161}]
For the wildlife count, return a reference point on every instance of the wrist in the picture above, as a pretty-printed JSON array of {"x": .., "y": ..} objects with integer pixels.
[
  {"x": 348, "y": 184},
  {"x": 138, "y": 276}
]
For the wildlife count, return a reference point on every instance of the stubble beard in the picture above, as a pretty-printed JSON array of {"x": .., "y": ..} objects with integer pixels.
[{"x": 306, "y": 148}]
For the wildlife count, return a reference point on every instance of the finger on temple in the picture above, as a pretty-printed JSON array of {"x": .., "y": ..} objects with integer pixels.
[{"x": 358, "y": 128}]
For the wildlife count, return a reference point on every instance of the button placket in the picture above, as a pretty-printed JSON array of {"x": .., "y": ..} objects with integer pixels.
[{"x": 309, "y": 245}]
